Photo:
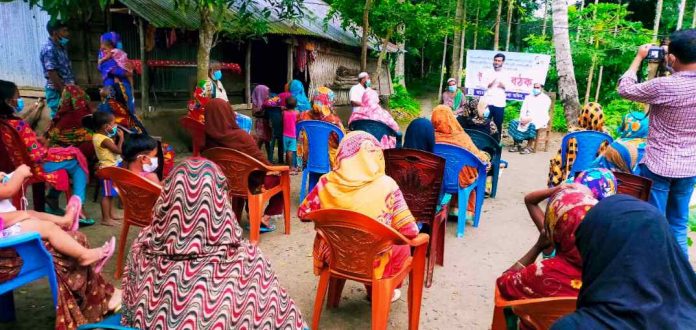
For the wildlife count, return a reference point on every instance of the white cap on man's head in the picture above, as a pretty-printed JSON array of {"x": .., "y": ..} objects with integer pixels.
[
  {"x": 362, "y": 75},
  {"x": 450, "y": 80}
]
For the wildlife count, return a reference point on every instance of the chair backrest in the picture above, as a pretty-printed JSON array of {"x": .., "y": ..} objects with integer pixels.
[
  {"x": 197, "y": 131},
  {"x": 318, "y": 133},
  {"x": 485, "y": 143},
  {"x": 237, "y": 167},
  {"x": 419, "y": 175},
  {"x": 633, "y": 185},
  {"x": 539, "y": 313},
  {"x": 244, "y": 122},
  {"x": 455, "y": 159},
  {"x": 138, "y": 194},
  {"x": 375, "y": 128},
  {"x": 355, "y": 241},
  {"x": 11, "y": 145},
  {"x": 275, "y": 117},
  {"x": 588, "y": 143}
]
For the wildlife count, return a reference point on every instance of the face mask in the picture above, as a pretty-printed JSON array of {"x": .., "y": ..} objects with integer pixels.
[
  {"x": 119, "y": 45},
  {"x": 63, "y": 41},
  {"x": 452, "y": 88},
  {"x": 486, "y": 113},
  {"x": 20, "y": 104},
  {"x": 536, "y": 91},
  {"x": 149, "y": 168},
  {"x": 217, "y": 75},
  {"x": 113, "y": 131},
  {"x": 7, "y": 178},
  {"x": 368, "y": 83}
]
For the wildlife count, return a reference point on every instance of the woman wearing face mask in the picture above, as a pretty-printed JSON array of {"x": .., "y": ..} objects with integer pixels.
[
  {"x": 140, "y": 156},
  {"x": 212, "y": 87},
  {"x": 453, "y": 97},
  {"x": 534, "y": 115}
]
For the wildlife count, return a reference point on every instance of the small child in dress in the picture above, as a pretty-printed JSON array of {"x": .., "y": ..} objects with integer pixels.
[
  {"x": 290, "y": 116},
  {"x": 109, "y": 49},
  {"x": 51, "y": 227},
  {"x": 140, "y": 155},
  {"x": 108, "y": 152}
]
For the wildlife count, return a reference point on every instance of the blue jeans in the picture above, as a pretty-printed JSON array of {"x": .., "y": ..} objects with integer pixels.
[
  {"x": 53, "y": 100},
  {"x": 671, "y": 196},
  {"x": 75, "y": 172},
  {"x": 497, "y": 115}
]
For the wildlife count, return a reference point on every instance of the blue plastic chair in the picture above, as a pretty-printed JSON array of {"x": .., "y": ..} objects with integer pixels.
[
  {"x": 37, "y": 263},
  {"x": 589, "y": 143},
  {"x": 455, "y": 159},
  {"x": 318, "y": 133},
  {"x": 488, "y": 144},
  {"x": 244, "y": 122},
  {"x": 376, "y": 128},
  {"x": 111, "y": 322}
]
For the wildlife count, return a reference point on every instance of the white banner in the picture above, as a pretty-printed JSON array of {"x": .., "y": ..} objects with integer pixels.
[{"x": 521, "y": 71}]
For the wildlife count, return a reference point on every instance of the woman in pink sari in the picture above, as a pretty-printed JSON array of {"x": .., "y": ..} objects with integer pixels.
[{"x": 371, "y": 110}]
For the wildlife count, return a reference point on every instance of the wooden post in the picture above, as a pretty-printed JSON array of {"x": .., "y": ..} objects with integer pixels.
[
  {"x": 291, "y": 61},
  {"x": 247, "y": 74},
  {"x": 144, "y": 78}
]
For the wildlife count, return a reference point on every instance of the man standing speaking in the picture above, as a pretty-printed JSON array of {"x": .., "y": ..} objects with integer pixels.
[{"x": 496, "y": 81}]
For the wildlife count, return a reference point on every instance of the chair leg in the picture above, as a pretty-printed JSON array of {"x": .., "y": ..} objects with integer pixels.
[
  {"x": 496, "y": 174},
  {"x": 7, "y": 308},
  {"x": 319, "y": 300},
  {"x": 121, "y": 249},
  {"x": 335, "y": 289},
  {"x": 440, "y": 239},
  {"x": 303, "y": 187},
  {"x": 285, "y": 181},
  {"x": 255, "y": 213},
  {"x": 462, "y": 201},
  {"x": 381, "y": 303},
  {"x": 498, "y": 322},
  {"x": 415, "y": 288},
  {"x": 480, "y": 191}
]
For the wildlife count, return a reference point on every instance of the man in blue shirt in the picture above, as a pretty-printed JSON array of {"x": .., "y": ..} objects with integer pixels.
[{"x": 56, "y": 63}]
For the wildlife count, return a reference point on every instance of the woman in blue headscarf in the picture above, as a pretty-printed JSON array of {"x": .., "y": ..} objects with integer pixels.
[
  {"x": 297, "y": 90},
  {"x": 634, "y": 274},
  {"x": 117, "y": 77},
  {"x": 625, "y": 153},
  {"x": 420, "y": 135}
]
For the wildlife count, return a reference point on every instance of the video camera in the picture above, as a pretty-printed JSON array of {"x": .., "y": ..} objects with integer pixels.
[{"x": 656, "y": 54}]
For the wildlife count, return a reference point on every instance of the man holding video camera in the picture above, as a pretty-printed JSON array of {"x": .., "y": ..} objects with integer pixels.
[{"x": 670, "y": 153}]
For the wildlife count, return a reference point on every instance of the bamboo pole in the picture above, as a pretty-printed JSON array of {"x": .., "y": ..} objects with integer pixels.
[
  {"x": 682, "y": 9},
  {"x": 291, "y": 63},
  {"x": 247, "y": 74},
  {"x": 145, "y": 76}
]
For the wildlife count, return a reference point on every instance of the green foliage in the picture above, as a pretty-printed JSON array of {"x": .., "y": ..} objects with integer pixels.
[
  {"x": 67, "y": 10},
  {"x": 402, "y": 101},
  {"x": 692, "y": 221}
]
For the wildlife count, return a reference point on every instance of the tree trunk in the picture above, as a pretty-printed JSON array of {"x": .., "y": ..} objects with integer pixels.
[
  {"x": 682, "y": 9},
  {"x": 456, "y": 40},
  {"x": 582, "y": 6},
  {"x": 145, "y": 76},
  {"x": 546, "y": 17},
  {"x": 400, "y": 66},
  {"x": 462, "y": 47},
  {"x": 567, "y": 86},
  {"x": 365, "y": 35},
  {"x": 422, "y": 75},
  {"x": 496, "y": 34},
  {"x": 206, "y": 34},
  {"x": 442, "y": 67},
  {"x": 599, "y": 83},
  {"x": 509, "y": 24},
  {"x": 478, "y": 10},
  {"x": 382, "y": 54},
  {"x": 658, "y": 16},
  {"x": 693, "y": 18},
  {"x": 518, "y": 30},
  {"x": 590, "y": 76}
]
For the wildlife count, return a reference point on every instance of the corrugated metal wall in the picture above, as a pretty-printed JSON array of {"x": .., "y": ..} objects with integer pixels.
[{"x": 23, "y": 33}]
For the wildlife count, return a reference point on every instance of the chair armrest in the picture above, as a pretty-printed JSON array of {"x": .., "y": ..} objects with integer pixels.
[
  {"x": 277, "y": 168},
  {"x": 419, "y": 240},
  {"x": 14, "y": 240}
]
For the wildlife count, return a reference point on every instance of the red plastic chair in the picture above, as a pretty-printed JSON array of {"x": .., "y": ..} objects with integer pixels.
[
  {"x": 633, "y": 185},
  {"x": 197, "y": 131},
  {"x": 237, "y": 167},
  {"x": 138, "y": 196},
  {"x": 355, "y": 241},
  {"x": 539, "y": 313},
  {"x": 419, "y": 176}
]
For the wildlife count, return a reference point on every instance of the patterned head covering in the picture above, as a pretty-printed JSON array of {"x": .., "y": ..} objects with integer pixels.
[
  {"x": 591, "y": 117},
  {"x": 298, "y": 91},
  {"x": 259, "y": 96},
  {"x": 564, "y": 213},
  {"x": 600, "y": 181},
  {"x": 371, "y": 110},
  {"x": 634, "y": 125},
  {"x": 111, "y": 37},
  {"x": 323, "y": 102},
  {"x": 191, "y": 269}
]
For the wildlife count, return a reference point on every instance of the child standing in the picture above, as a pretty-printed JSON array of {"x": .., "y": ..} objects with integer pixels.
[
  {"x": 140, "y": 155},
  {"x": 290, "y": 116},
  {"x": 108, "y": 152}
]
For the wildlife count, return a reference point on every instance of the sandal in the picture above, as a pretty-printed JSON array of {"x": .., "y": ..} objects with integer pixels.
[
  {"x": 525, "y": 151},
  {"x": 76, "y": 203},
  {"x": 514, "y": 148},
  {"x": 86, "y": 222},
  {"x": 264, "y": 229},
  {"x": 108, "y": 252}
]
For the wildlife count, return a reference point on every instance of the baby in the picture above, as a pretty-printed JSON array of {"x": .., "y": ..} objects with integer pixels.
[{"x": 110, "y": 49}]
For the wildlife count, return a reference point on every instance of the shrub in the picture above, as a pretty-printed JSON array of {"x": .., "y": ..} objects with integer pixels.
[{"x": 403, "y": 102}]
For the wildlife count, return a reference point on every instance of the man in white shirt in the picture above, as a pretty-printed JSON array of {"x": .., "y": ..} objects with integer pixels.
[
  {"x": 357, "y": 91},
  {"x": 496, "y": 81},
  {"x": 534, "y": 115}
]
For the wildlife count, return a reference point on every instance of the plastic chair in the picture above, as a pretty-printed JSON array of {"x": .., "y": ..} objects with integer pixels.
[
  {"x": 275, "y": 117},
  {"x": 588, "y": 143},
  {"x": 376, "y": 128},
  {"x": 544, "y": 134},
  {"x": 633, "y": 185},
  {"x": 318, "y": 134},
  {"x": 456, "y": 158},
  {"x": 539, "y": 313},
  {"x": 237, "y": 167},
  {"x": 355, "y": 241},
  {"x": 488, "y": 144},
  {"x": 138, "y": 196},
  {"x": 197, "y": 131},
  {"x": 37, "y": 263},
  {"x": 244, "y": 122},
  {"x": 419, "y": 176},
  {"x": 112, "y": 322}
]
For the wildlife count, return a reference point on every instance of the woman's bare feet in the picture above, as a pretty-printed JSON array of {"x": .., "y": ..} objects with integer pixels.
[
  {"x": 92, "y": 256},
  {"x": 67, "y": 219},
  {"x": 115, "y": 301},
  {"x": 116, "y": 217},
  {"x": 266, "y": 220},
  {"x": 109, "y": 222}
]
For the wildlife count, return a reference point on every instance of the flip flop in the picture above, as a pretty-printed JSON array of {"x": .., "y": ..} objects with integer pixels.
[
  {"x": 76, "y": 203},
  {"x": 267, "y": 229},
  {"x": 86, "y": 222},
  {"x": 108, "y": 252}
]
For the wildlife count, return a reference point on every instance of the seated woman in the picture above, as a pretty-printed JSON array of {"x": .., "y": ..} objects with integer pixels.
[
  {"x": 221, "y": 130},
  {"x": 601, "y": 182},
  {"x": 453, "y": 97},
  {"x": 634, "y": 275},
  {"x": 358, "y": 183},
  {"x": 472, "y": 118},
  {"x": 590, "y": 119},
  {"x": 322, "y": 109},
  {"x": 626, "y": 152},
  {"x": 448, "y": 131},
  {"x": 420, "y": 135},
  {"x": 66, "y": 127},
  {"x": 49, "y": 160},
  {"x": 558, "y": 276},
  {"x": 140, "y": 156},
  {"x": 371, "y": 110},
  {"x": 191, "y": 269}
]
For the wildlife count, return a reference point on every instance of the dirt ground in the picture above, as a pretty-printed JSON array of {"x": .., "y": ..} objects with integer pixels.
[{"x": 462, "y": 292}]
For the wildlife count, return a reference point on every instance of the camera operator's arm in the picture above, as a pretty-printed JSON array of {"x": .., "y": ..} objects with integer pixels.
[{"x": 630, "y": 89}]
